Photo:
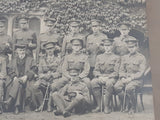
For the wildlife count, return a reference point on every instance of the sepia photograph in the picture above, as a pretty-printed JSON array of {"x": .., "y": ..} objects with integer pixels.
[{"x": 75, "y": 60}]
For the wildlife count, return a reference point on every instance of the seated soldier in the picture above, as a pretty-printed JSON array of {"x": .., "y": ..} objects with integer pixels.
[
  {"x": 130, "y": 74},
  {"x": 18, "y": 72},
  {"x": 2, "y": 80},
  {"x": 74, "y": 96},
  {"x": 76, "y": 62},
  {"x": 105, "y": 73},
  {"x": 49, "y": 70}
]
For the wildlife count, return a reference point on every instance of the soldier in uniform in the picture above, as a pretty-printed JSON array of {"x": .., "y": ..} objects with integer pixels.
[
  {"x": 49, "y": 71},
  {"x": 120, "y": 46},
  {"x": 25, "y": 36},
  {"x": 75, "y": 96},
  {"x": 75, "y": 64},
  {"x": 5, "y": 42},
  {"x": 18, "y": 72},
  {"x": 74, "y": 26},
  {"x": 131, "y": 71},
  {"x": 3, "y": 76},
  {"x": 49, "y": 35},
  {"x": 105, "y": 74},
  {"x": 93, "y": 44}
]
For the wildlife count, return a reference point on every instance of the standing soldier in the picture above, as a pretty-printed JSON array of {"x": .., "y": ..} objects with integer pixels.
[
  {"x": 119, "y": 42},
  {"x": 49, "y": 70},
  {"x": 5, "y": 42},
  {"x": 18, "y": 72},
  {"x": 74, "y": 27},
  {"x": 25, "y": 36},
  {"x": 130, "y": 74},
  {"x": 93, "y": 44},
  {"x": 105, "y": 73},
  {"x": 49, "y": 35}
]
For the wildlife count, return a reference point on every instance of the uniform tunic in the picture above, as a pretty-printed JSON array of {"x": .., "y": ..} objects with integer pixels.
[
  {"x": 93, "y": 46},
  {"x": 25, "y": 37},
  {"x": 106, "y": 71},
  {"x": 132, "y": 66}
]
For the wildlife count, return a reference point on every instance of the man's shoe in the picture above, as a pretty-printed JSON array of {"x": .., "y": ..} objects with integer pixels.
[
  {"x": 49, "y": 109},
  {"x": 132, "y": 111},
  {"x": 16, "y": 111},
  {"x": 107, "y": 110},
  {"x": 96, "y": 110},
  {"x": 66, "y": 114},
  {"x": 37, "y": 110},
  {"x": 57, "y": 113}
]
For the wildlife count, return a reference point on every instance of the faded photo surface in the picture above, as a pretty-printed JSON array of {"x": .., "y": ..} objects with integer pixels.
[{"x": 74, "y": 60}]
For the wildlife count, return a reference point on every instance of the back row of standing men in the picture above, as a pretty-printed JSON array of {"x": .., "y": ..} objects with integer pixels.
[{"x": 73, "y": 69}]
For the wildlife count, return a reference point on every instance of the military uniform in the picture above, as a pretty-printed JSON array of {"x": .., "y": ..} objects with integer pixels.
[
  {"x": 66, "y": 45},
  {"x": 5, "y": 43},
  {"x": 49, "y": 72},
  {"x": 3, "y": 76},
  {"x": 105, "y": 73},
  {"x": 130, "y": 75},
  {"x": 26, "y": 36},
  {"x": 48, "y": 36},
  {"x": 75, "y": 96},
  {"x": 120, "y": 46},
  {"x": 93, "y": 46}
]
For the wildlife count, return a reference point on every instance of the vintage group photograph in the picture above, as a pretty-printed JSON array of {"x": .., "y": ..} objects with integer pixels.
[{"x": 75, "y": 60}]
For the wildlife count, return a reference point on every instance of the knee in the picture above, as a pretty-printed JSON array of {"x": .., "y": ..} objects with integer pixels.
[
  {"x": 129, "y": 89},
  {"x": 117, "y": 88},
  {"x": 54, "y": 95},
  {"x": 1, "y": 82},
  {"x": 94, "y": 83}
]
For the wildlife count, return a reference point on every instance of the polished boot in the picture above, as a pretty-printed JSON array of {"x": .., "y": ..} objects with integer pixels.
[
  {"x": 16, "y": 110},
  {"x": 107, "y": 100},
  {"x": 133, "y": 103},
  {"x": 97, "y": 96}
]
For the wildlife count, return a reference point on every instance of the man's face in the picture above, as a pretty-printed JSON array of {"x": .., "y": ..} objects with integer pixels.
[
  {"x": 96, "y": 28},
  {"x": 23, "y": 24},
  {"x": 76, "y": 46},
  {"x": 21, "y": 52},
  {"x": 132, "y": 49},
  {"x": 108, "y": 47},
  {"x": 74, "y": 29},
  {"x": 49, "y": 27},
  {"x": 50, "y": 51},
  {"x": 2, "y": 28},
  {"x": 124, "y": 30}
]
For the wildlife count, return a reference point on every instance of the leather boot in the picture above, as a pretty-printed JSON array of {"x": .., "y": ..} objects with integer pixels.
[
  {"x": 97, "y": 96},
  {"x": 133, "y": 103},
  {"x": 107, "y": 100}
]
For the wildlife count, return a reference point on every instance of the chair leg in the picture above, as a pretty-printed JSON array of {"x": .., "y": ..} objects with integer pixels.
[{"x": 141, "y": 100}]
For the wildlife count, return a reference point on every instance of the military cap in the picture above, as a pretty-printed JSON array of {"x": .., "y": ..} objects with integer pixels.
[
  {"x": 74, "y": 22},
  {"x": 49, "y": 21},
  {"x": 107, "y": 41},
  {"x": 131, "y": 41},
  {"x": 124, "y": 24},
  {"x": 23, "y": 18},
  {"x": 49, "y": 45},
  {"x": 77, "y": 41},
  {"x": 20, "y": 46},
  {"x": 95, "y": 22}
]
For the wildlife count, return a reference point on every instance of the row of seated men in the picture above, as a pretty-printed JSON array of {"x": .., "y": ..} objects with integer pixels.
[{"x": 73, "y": 73}]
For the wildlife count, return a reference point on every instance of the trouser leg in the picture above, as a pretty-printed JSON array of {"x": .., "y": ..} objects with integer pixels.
[{"x": 59, "y": 101}]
